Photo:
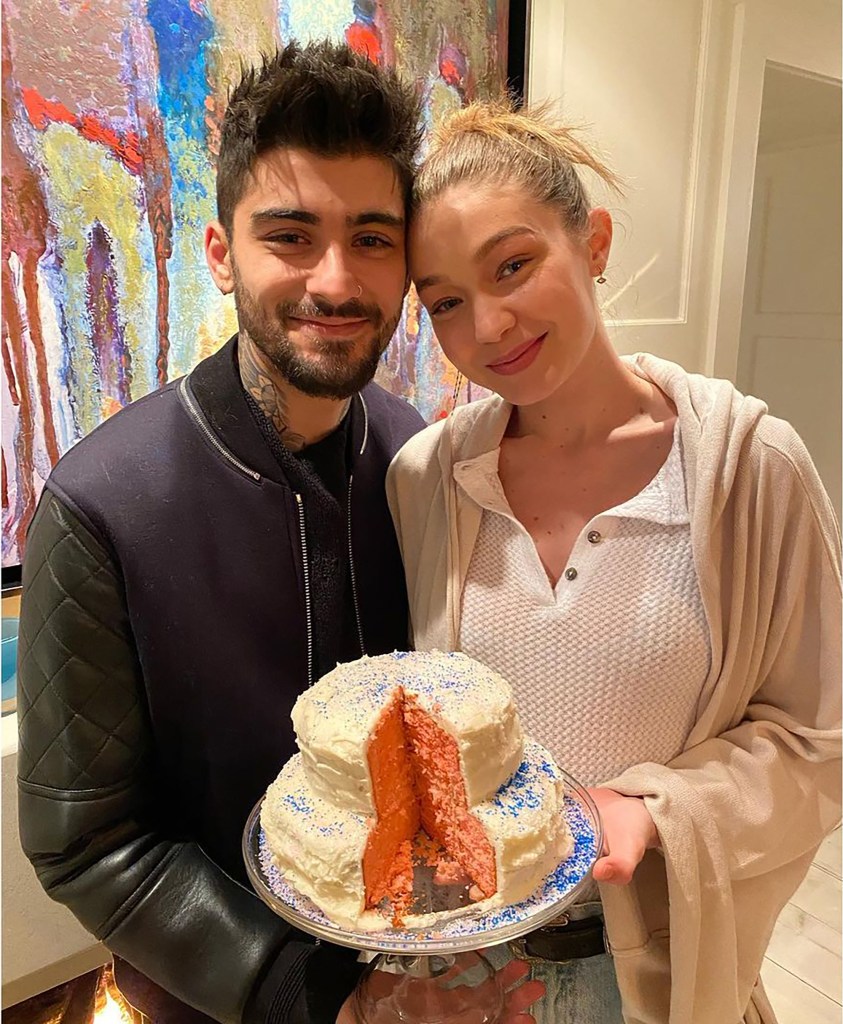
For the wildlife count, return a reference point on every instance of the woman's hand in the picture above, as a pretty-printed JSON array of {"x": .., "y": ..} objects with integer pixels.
[
  {"x": 628, "y": 830},
  {"x": 521, "y": 993}
]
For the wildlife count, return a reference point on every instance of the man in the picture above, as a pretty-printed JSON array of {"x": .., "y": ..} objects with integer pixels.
[{"x": 203, "y": 556}]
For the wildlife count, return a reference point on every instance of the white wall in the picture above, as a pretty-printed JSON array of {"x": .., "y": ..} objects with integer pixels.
[
  {"x": 673, "y": 91},
  {"x": 646, "y": 76}
]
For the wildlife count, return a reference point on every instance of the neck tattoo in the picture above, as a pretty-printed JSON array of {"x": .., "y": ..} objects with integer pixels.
[{"x": 270, "y": 398}]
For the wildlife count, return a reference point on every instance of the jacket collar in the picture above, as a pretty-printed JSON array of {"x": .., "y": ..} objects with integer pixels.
[{"x": 215, "y": 384}]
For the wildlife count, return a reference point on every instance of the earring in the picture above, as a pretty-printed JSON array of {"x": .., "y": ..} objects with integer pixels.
[{"x": 601, "y": 279}]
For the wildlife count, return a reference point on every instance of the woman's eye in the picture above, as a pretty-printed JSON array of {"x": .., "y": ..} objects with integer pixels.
[
  {"x": 511, "y": 267},
  {"x": 444, "y": 306}
]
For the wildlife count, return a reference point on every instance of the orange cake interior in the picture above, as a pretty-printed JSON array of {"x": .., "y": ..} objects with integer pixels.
[{"x": 417, "y": 784}]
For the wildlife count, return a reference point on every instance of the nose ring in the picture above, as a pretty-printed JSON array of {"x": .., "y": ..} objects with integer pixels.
[{"x": 359, "y": 290}]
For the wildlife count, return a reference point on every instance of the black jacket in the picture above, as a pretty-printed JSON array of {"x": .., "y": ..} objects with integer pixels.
[{"x": 165, "y": 634}]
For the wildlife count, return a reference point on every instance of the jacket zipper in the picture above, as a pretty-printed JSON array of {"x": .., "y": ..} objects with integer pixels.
[
  {"x": 307, "y": 607},
  {"x": 226, "y": 454},
  {"x": 189, "y": 402},
  {"x": 352, "y": 574}
]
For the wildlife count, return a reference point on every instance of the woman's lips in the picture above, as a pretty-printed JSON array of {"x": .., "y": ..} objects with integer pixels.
[{"x": 519, "y": 358}]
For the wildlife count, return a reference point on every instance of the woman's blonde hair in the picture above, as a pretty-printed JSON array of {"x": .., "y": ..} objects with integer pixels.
[{"x": 491, "y": 141}]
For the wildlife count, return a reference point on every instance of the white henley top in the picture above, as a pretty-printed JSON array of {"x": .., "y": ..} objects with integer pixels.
[{"x": 608, "y": 665}]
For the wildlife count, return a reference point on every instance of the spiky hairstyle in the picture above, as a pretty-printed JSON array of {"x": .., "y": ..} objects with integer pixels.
[{"x": 322, "y": 97}]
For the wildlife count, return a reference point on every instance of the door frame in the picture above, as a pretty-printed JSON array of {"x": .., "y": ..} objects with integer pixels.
[{"x": 803, "y": 38}]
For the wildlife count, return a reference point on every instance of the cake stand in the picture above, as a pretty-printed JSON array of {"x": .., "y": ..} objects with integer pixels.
[{"x": 435, "y": 974}]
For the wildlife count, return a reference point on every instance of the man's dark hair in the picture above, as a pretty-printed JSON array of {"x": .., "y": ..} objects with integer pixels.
[{"x": 322, "y": 97}]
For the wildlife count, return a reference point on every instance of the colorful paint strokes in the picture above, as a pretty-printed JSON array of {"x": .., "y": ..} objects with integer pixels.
[{"x": 110, "y": 119}]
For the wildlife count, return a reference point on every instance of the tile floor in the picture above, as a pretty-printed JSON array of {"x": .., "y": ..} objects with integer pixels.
[{"x": 802, "y": 972}]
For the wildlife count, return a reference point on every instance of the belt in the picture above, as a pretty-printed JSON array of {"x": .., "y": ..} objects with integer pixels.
[{"x": 563, "y": 940}]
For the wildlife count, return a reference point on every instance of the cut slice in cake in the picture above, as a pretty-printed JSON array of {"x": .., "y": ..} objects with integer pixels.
[
  {"x": 443, "y": 802},
  {"x": 417, "y": 781},
  {"x": 387, "y": 859}
]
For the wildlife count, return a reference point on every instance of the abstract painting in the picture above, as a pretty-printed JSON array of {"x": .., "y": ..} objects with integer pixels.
[{"x": 111, "y": 118}]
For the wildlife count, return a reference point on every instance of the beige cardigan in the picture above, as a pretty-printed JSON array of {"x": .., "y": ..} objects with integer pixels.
[{"x": 741, "y": 811}]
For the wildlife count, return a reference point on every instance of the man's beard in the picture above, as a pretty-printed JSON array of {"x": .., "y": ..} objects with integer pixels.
[{"x": 334, "y": 369}]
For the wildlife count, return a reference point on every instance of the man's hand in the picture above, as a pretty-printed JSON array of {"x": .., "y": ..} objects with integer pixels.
[
  {"x": 521, "y": 993},
  {"x": 628, "y": 830}
]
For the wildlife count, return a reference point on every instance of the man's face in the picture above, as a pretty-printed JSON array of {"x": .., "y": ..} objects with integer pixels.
[{"x": 318, "y": 267}]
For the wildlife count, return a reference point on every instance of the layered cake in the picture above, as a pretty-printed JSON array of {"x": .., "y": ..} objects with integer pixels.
[{"x": 408, "y": 756}]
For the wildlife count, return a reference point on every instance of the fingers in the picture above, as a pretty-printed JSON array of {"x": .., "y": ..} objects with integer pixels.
[
  {"x": 618, "y": 864},
  {"x": 629, "y": 832},
  {"x": 514, "y": 972},
  {"x": 520, "y": 992},
  {"x": 523, "y": 997}
]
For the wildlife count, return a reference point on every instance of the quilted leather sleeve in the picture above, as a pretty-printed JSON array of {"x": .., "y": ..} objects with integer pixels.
[
  {"x": 87, "y": 808},
  {"x": 80, "y": 712}
]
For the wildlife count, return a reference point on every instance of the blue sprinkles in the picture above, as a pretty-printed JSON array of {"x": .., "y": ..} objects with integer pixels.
[
  {"x": 521, "y": 790},
  {"x": 548, "y": 769},
  {"x": 569, "y": 874},
  {"x": 298, "y": 803}
]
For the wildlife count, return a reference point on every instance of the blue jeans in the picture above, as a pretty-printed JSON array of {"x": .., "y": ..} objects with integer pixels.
[{"x": 581, "y": 991}]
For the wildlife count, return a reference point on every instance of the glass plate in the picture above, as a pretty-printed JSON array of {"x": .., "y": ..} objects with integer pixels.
[{"x": 469, "y": 931}]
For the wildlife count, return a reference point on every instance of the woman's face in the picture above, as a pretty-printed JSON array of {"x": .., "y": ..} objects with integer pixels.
[{"x": 508, "y": 288}]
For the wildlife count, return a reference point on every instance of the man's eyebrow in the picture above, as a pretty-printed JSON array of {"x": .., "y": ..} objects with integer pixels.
[
  {"x": 306, "y": 217},
  {"x": 284, "y": 213},
  {"x": 482, "y": 252},
  {"x": 375, "y": 217}
]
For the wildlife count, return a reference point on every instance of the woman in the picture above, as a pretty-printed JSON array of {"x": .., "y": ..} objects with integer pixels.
[{"x": 648, "y": 557}]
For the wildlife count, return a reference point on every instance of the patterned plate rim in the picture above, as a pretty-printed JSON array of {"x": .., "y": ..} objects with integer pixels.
[{"x": 470, "y": 931}]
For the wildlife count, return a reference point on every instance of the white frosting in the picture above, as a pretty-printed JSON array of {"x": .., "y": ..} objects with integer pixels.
[
  {"x": 319, "y": 846},
  {"x": 335, "y": 718},
  {"x": 525, "y": 822}
]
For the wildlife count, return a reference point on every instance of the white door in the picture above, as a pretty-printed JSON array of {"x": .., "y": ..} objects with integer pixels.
[{"x": 790, "y": 343}]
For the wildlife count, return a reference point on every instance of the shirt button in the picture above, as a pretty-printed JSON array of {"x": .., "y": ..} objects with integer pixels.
[
  {"x": 594, "y": 536},
  {"x": 571, "y": 574}
]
